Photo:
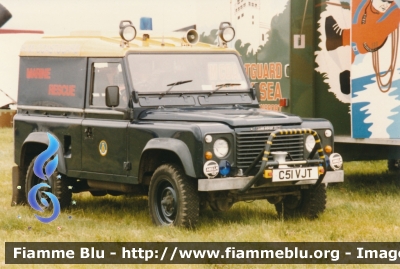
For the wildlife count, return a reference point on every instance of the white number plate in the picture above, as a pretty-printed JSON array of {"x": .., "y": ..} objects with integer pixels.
[{"x": 292, "y": 174}]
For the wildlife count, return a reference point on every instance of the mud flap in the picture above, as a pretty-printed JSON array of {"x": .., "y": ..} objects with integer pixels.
[{"x": 18, "y": 187}]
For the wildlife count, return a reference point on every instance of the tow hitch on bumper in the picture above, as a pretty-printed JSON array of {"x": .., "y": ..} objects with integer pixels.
[{"x": 280, "y": 172}]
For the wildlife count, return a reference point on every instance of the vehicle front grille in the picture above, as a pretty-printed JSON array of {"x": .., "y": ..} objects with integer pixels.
[{"x": 250, "y": 143}]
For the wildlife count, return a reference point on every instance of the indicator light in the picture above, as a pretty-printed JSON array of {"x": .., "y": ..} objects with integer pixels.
[
  {"x": 321, "y": 170},
  {"x": 267, "y": 173},
  {"x": 328, "y": 149}
]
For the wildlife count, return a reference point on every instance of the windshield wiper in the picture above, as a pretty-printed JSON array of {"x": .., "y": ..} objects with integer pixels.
[
  {"x": 175, "y": 84},
  {"x": 220, "y": 86}
]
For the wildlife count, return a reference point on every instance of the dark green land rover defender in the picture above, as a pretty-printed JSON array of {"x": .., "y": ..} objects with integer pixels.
[{"x": 171, "y": 118}]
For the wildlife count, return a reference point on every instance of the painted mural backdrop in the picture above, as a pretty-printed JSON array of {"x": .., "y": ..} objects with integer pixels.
[
  {"x": 262, "y": 38},
  {"x": 264, "y": 44},
  {"x": 359, "y": 59}
]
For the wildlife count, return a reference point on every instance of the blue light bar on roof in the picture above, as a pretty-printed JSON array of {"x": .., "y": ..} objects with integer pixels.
[{"x": 146, "y": 23}]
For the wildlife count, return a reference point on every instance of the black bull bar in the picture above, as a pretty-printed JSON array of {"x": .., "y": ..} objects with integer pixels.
[{"x": 263, "y": 155}]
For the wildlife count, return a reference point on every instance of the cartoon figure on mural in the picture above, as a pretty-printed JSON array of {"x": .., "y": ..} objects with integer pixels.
[
  {"x": 373, "y": 21},
  {"x": 357, "y": 59}
]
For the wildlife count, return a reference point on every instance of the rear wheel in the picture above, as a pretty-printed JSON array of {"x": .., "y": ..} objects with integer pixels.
[
  {"x": 58, "y": 185},
  {"x": 173, "y": 198},
  {"x": 310, "y": 204}
]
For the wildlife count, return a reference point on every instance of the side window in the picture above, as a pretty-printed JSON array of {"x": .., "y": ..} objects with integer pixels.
[{"x": 104, "y": 75}]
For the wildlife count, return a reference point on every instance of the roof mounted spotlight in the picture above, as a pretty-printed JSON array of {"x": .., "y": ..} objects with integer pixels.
[
  {"x": 127, "y": 32},
  {"x": 226, "y": 33}
]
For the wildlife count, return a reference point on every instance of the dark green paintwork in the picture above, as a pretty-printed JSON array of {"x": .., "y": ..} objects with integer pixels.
[
  {"x": 327, "y": 105},
  {"x": 303, "y": 90},
  {"x": 180, "y": 131}
]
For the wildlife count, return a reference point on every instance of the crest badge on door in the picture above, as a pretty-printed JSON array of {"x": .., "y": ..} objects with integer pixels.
[{"x": 103, "y": 148}]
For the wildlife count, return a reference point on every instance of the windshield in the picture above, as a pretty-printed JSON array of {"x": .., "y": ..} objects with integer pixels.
[{"x": 181, "y": 73}]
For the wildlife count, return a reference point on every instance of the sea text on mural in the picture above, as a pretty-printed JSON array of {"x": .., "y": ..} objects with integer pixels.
[{"x": 269, "y": 90}]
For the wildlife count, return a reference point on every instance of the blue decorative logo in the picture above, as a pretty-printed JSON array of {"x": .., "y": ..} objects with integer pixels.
[
  {"x": 44, "y": 166},
  {"x": 43, "y": 157}
]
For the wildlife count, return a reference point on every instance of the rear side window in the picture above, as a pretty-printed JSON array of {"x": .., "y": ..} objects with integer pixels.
[{"x": 52, "y": 81}]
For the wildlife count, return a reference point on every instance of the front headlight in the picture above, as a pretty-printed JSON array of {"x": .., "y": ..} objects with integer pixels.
[
  {"x": 310, "y": 143},
  {"x": 221, "y": 148}
]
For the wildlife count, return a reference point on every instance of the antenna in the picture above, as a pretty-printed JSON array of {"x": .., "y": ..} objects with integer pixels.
[{"x": 8, "y": 96}]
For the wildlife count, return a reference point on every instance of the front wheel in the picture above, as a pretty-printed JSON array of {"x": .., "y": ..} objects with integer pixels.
[
  {"x": 173, "y": 198},
  {"x": 310, "y": 204}
]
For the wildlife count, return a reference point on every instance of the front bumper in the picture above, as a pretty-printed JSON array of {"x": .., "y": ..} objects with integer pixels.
[
  {"x": 236, "y": 183},
  {"x": 244, "y": 183}
]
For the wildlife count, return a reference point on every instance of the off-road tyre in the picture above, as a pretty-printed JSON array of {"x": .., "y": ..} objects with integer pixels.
[
  {"x": 173, "y": 197},
  {"x": 310, "y": 205},
  {"x": 60, "y": 187}
]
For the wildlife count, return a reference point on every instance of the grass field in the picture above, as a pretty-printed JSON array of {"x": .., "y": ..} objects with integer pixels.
[{"x": 364, "y": 208}]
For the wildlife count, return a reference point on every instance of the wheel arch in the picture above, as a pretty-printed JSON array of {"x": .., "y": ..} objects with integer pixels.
[
  {"x": 173, "y": 197},
  {"x": 162, "y": 150},
  {"x": 35, "y": 144}
]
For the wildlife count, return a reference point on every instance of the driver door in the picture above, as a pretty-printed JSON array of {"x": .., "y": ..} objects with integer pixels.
[{"x": 104, "y": 130}]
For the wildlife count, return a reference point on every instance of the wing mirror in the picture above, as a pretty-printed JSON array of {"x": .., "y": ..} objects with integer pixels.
[
  {"x": 255, "y": 91},
  {"x": 112, "y": 96}
]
